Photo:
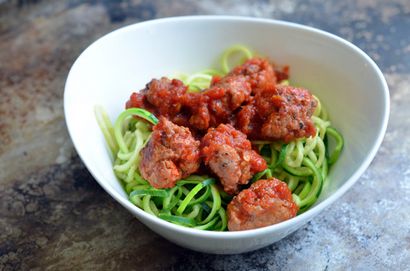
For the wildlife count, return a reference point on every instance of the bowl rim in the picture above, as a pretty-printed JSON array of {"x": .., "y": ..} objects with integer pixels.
[{"x": 298, "y": 220}]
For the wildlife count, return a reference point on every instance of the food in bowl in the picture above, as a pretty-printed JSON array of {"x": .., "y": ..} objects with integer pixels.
[
  {"x": 357, "y": 100},
  {"x": 229, "y": 149}
]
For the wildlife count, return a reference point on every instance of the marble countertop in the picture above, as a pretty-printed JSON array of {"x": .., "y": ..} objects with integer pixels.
[{"x": 54, "y": 215}]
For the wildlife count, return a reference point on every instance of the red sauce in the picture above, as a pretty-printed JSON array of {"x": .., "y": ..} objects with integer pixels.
[
  {"x": 246, "y": 103},
  {"x": 247, "y": 98},
  {"x": 265, "y": 203},
  {"x": 171, "y": 154},
  {"x": 230, "y": 156}
]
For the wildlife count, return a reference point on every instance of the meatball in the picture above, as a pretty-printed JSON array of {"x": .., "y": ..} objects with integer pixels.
[
  {"x": 225, "y": 96},
  {"x": 171, "y": 154},
  {"x": 259, "y": 73},
  {"x": 264, "y": 203},
  {"x": 229, "y": 155},
  {"x": 199, "y": 117},
  {"x": 198, "y": 111},
  {"x": 139, "y": 99},
  {"x": 236, "y": 90},
  {"x": 216, "y": 104},
  {"x": 283, "y": 113},
  {"x": 248, "y": 121},
  {"x": 162, "y": 97},
  {"x": 287, "y": 113}
]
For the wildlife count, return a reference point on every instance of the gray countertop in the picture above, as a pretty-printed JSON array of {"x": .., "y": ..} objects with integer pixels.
[{"x": 54, "y": 215}]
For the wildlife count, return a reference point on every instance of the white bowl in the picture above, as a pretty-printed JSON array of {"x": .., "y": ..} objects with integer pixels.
[{"x": 346, "y": 80}]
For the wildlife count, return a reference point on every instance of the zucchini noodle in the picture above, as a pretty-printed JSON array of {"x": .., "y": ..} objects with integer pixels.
[
  {"x": 231, "y": 57},
  {"x": 194, "y": 202},
  {"x": 198, "y": 201},
  {"x": 303, "y": 163}
]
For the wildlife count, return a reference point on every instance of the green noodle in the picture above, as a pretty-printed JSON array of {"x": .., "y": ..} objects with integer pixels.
[
  {"x": 304, "y": 166},
  {"x": 197, "y": 201},
  {"x": 236, "y": 54}
]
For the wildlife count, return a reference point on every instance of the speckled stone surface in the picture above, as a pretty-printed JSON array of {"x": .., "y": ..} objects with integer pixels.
[{"x": 53, "y": 214}]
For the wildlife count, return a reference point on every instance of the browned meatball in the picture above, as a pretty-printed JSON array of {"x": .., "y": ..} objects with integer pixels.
[
  {"x": 162, "y": 97},
  {"x": 236, "y": 88},
  {"x": 248, "y": 121},
  {"x": 216, "y": 104},
  {"x": 265, "y": 203},
  {"x": 171, "y": 154},
  {"x": 259, "y": 72},
  {"x": 197, "y": 105},
  {"x": 287, "y": 113},
  {"x": 230, "y": 156},
  {"x": 283, "y": 113}
]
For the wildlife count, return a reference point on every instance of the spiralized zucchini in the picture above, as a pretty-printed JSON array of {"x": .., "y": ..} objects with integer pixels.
[
  {"x": 198, "y": 201},
  {"x": 231, "y": 57},
  {"x": 303, "y": 163}
]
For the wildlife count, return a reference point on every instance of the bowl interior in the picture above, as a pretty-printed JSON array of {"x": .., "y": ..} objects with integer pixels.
[{"x": 345, "y": 80}]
